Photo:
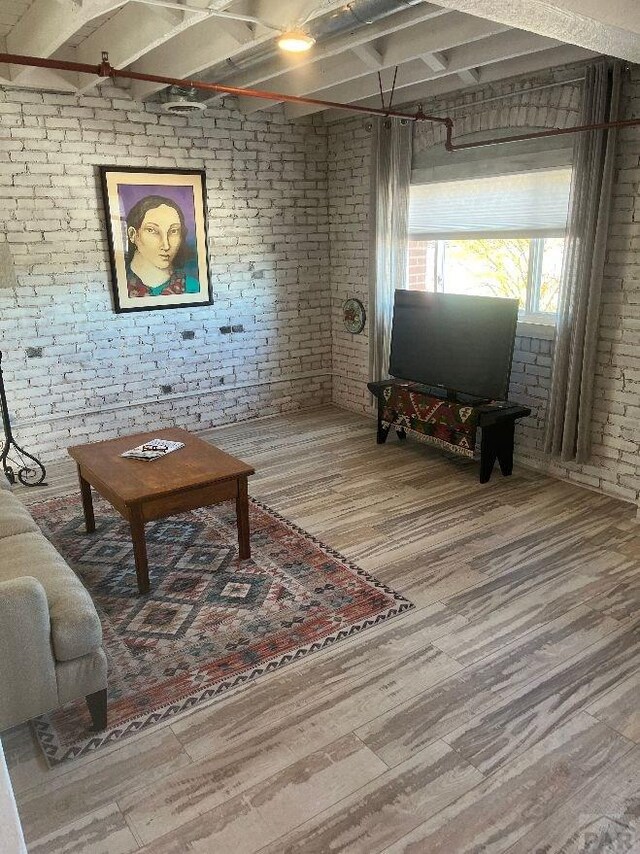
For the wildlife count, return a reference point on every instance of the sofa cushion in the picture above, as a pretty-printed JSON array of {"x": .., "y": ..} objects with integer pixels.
[
  {"x": 75, "y": 625},
  {"x": 14, "y": 516}
]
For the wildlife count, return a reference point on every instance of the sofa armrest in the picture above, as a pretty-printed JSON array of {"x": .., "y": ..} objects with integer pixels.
[{"x": 27, "y": 664}]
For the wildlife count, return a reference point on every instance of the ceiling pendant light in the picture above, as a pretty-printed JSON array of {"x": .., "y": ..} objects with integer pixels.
[{"x": 295, "y": 41}]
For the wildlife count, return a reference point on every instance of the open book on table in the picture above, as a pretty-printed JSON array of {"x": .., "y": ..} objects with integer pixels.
[{"x": 153, "y": 449}]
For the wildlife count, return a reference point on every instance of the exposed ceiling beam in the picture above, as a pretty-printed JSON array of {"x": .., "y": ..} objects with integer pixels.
[
  {"x": 369, "y": 55},
  {"x": 189, "y": 52},
  {"x": 436, "y": 60},
  {"x": 48, "y": 24},
  {"x": 212, "y": 41},
  {"x": 611, "y": 27},
  {"x": 42, "y": 78},
  {"x": 133, "y": 30},
  {"x": 423, "y": 92},
  {"x": 127, "y": 36},
  {"x": 469, "y": 75},
  {"x": 498, "y": 48},
  {"x": 441, "y": 34},
  {"x": 284, "y": 64}
]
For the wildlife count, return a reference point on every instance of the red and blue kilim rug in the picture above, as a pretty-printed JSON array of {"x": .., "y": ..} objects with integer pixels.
[{"x": 211, "y": 622}]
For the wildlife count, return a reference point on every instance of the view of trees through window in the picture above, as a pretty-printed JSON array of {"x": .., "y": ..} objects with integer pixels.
[{"x": 527, "y": 269}]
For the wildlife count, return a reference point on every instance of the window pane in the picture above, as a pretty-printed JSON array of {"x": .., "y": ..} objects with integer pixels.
[
  {"x": 494, "y": 267},
  {"x": 551, "y": 269}
]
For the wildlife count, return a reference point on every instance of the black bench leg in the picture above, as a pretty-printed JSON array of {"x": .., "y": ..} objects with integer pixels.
[
  {"x": 496, "y": 444},
  {"x": 97, "y": 704},
  {"x": 505, "y": 447},
  {"x": 401, "y": 433},
  {"x": 383, "y": 431}
]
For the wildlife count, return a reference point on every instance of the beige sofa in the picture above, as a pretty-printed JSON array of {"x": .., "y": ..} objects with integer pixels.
[{"x": 50, "y": 633}]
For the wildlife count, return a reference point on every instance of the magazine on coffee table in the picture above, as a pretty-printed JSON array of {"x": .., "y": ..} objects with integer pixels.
[{"x": 153, "y": 449}]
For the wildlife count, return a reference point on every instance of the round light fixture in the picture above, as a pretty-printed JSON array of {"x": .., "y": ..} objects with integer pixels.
[{"x": 295, "y": 41}]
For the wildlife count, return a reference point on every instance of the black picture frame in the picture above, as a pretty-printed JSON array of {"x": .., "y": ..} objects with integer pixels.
[{"x": 149, "y": 234}]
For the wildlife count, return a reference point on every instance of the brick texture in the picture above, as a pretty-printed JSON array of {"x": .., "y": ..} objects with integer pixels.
[
  {"x": 348, "y": 177},
  {"x": 100, "y": 373},
  {"x": 288, "y": 219},
  {"x": 614, "y": 467}
]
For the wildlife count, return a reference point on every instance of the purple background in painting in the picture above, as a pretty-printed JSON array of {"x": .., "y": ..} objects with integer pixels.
[{"x": 129, "y": 194}]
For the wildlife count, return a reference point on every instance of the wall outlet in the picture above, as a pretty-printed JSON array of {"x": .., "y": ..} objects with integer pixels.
[{"x": 188, "y": 334}]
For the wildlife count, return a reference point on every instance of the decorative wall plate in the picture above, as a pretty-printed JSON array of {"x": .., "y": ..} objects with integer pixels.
[{"x": 354, "y": 316}]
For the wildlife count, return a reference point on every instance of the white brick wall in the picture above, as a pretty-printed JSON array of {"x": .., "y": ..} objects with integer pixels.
[
  {"x": 349, "y": 158},
  {"x": 283, "y": 201},
  {"x": 101, "y": 373},
  {"x": 615, "y": 464}
]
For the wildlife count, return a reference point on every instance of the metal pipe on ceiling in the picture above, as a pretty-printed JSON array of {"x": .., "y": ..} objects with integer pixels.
[
  {"x": 357, "y": 14},
  {"x": 450, "y": 145},
  {"x": 106, "y": 70}
]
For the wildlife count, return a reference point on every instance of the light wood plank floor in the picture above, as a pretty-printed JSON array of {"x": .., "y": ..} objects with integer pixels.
[{"x": 503, "y": 714}]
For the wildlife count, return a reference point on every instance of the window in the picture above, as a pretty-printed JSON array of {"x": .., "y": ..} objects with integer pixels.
[{"x": 498, "y": 236}]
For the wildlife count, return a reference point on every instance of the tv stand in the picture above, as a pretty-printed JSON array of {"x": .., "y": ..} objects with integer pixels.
[{"x": 449, "y": 421}]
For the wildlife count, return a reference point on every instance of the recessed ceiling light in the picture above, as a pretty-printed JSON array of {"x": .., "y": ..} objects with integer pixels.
[{"x": 296, "y": 41}]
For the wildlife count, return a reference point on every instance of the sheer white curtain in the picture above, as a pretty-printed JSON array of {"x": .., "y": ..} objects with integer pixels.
[
  {"x": 568, "y": 431},
  {"x": 390, "y": 180}
]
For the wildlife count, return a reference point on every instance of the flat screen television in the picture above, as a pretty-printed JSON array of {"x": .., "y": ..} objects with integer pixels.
[{"x": 453, "y": 341}]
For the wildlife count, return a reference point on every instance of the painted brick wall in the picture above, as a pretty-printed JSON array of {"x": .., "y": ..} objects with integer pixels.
[
  {"x": 348, "y": 162},
  {"x": 615, "y": 464},
  {"x": 101, "y": 373}
]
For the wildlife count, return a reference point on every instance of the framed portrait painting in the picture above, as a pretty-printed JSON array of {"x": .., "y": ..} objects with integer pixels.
[{"x": 157, "y": 237}]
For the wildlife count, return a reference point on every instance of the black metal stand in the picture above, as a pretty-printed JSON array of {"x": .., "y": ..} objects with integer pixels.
[{"x": 13, "y": 457}]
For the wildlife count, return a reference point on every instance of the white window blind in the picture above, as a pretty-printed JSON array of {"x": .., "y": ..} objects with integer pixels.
[{"x": 528, "y": 204}]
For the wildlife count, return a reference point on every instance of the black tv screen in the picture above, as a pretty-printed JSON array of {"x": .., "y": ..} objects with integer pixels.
[{"x": 453, "y": 341}]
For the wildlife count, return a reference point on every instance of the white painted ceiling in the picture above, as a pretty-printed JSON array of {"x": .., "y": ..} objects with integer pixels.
[{"x": 437, "y": 47}]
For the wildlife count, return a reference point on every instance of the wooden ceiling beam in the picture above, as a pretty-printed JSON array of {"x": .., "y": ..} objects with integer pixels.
[
  {"x": 443, "y": 33},
  {"x": 271, "y": 70},
  {"x": 436, "y": 61},
  {"x": 214, "y": 40},
  {"x": 531, "y": 63},
  {"x": 369, "y": 55},
  {"x": 498, "y": 48}
]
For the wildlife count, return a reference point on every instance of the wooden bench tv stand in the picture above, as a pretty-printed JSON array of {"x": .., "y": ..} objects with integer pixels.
[{"x": 449, "y": 421}]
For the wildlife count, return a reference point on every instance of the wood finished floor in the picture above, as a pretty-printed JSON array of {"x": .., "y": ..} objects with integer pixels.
[{"x": 502, "y": 715}]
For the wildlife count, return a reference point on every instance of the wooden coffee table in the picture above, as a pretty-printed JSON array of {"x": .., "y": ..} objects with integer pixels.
[{"x": 141, "y": 490}]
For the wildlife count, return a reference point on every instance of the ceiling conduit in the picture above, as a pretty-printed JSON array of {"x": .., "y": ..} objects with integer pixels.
[
  {"x": 352, "y": 16},
  {"x": 106, "y": 70}
]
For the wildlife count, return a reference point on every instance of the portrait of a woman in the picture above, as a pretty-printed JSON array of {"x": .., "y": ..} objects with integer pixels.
[
  {"x": 157, "y": 249},
  {"x": 156, "y": 226}
]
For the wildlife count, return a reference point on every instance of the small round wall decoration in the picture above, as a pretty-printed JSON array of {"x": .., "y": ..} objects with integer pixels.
[{"x": 354, "y": 316}]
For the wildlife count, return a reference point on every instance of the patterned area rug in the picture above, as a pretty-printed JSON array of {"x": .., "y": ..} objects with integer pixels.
[{"x": 211, "y": 622}]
